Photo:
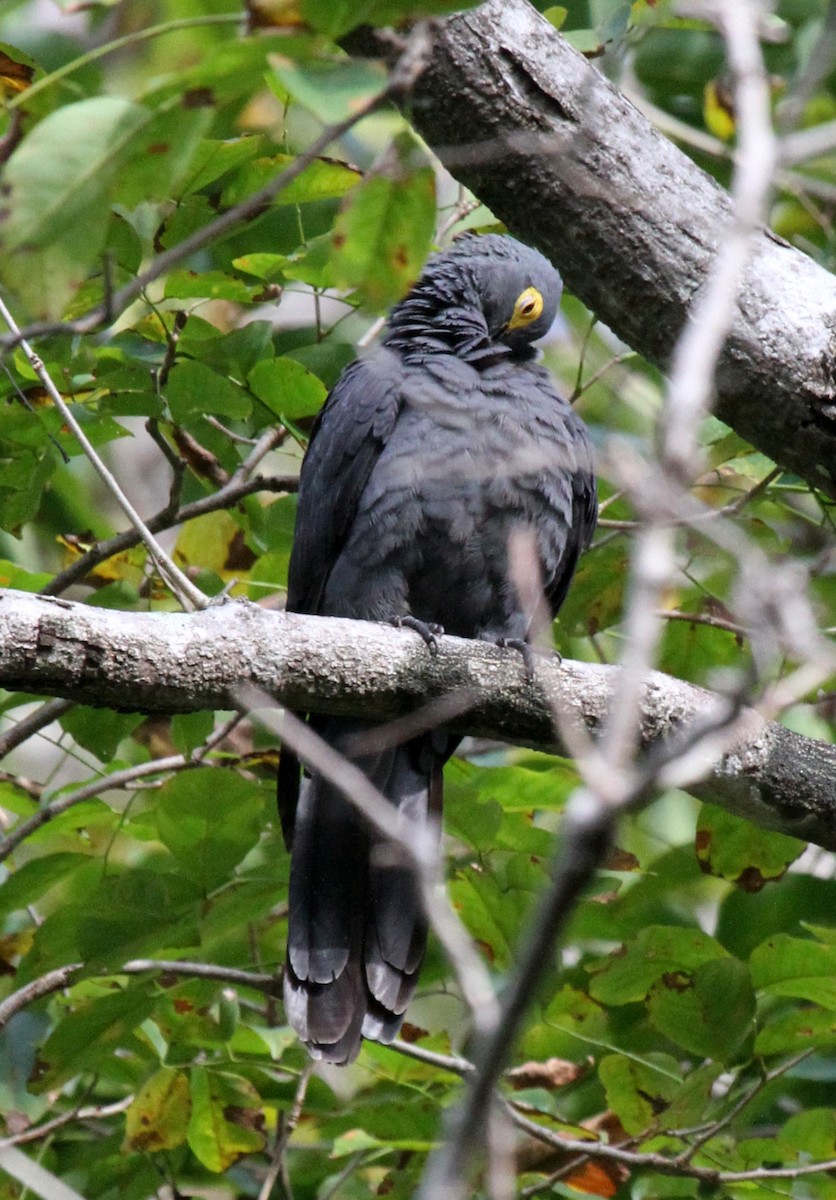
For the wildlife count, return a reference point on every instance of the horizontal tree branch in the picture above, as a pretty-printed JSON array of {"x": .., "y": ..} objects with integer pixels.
[
  {"x": 174, "y": 662},
  {"x": 571, "y": 166}
]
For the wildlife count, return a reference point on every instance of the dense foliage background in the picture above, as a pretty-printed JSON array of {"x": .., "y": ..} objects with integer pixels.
[{"x": 696, "y": 1011}]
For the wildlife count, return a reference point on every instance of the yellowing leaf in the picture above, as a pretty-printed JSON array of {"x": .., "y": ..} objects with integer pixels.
[
  {"x": 213, "y": 542},
  {"x": 158, "y": 1118},
  {"x": 225, "y": 1120}
]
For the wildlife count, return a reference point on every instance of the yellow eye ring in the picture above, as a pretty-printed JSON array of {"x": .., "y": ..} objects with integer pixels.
[{"x": 528, "y": 308}]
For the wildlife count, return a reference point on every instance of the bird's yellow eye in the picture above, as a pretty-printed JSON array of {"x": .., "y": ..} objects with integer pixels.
[{"x": 528, "y": 308}]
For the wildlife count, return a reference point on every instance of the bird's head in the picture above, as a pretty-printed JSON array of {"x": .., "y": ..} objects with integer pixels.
[{"x": 484, "y": 293}]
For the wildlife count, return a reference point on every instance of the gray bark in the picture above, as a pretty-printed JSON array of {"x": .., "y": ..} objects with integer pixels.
[
  {"x": 572, "y": 167},
  {"x": 173, "y": 662}
]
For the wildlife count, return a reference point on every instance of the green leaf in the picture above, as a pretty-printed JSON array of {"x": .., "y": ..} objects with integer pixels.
[
  {"x": 556, "y": 15},
  {"x": 788, "y": 966},
  {"x": 324, "y": 179},
  {"x": 628, "y": 975},
  {"x": 190, "y": 730},
  {"x": 737, "y": 850},
  {"x": 596, "y": 596},
  {"x": 158, "y": 1117},
  {"x": 287, "y": 388},
  {"x": 209, "y": 819},
  {"x": 31, "y": 882},
  {"x": 195, "y": 388},
  {"x": 795, "y": 1031},
  {"x": 209, "y": 285},
  {"x": 215, "y": 157},
  {"x": 161, "y": 154},
  {"x": 708, "y": 1011},
  {"x": 214, "y": 1139},
  {"x": 382, "y": 235},
  {"x": 99, "y": 730},
  {"x": 138, "y": 911},
  {"x": 639, "y": 1091},
  {"x": 811, "y": 1134},
  {"x": 14, "y": 576},
  {"x": 87, "y": 1035},
  {"x": 56, "y": 202}
]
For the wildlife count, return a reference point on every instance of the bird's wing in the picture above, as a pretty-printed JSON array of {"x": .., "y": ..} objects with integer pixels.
[
  {"x": 351, "y": 431},
  {"x": 348, "y": 437}
]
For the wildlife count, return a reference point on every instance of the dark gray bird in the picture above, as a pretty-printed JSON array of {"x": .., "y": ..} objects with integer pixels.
[{"x": 426, "y": 458}]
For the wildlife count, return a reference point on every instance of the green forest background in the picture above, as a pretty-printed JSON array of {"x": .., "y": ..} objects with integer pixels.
[{"x": 695, "y": 1014}]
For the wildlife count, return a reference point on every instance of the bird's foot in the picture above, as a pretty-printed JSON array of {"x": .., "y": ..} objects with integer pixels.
[
  {"x": 529, "y": 655},
  {"x": 429, "y": 632}
]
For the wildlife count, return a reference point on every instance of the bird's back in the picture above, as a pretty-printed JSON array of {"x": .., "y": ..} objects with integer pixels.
[{"x": 473, "y": 456}]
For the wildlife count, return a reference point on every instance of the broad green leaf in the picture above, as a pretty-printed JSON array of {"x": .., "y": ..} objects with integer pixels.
[
  {"x": 214, "y": 1139},
  {"x": 137, "y": 912},
  {"x": 638, "y": 1091},
  {"x": 90, "y": 1033},
  {"x": 209, "y": 285},
  {"x": 330, "y": 89},
  {"x": 158, "y": 1118},
  {"x": 213, "y": 542},
  {"x": 324, "y": 179},
  {"x": 17, "y": 577},
  {"x": 794, "y": 1031},
  {"x": 215, "y": 157},
  {"x": 14, "y": 799},
  {"x": 789, "y": 966},
  {"x": 262, "y": 266},
  {"x": 556, "y": 14},
  {"x": 31, "y": 882},
  {"x": 209, "y": 819},
  {"x": 190, "y": 730},
  {"x": 811, "y": 1133},
  {"x": 287, "y": 388},
  {"x": 195, "y": 388},
  {"x": 596, "y": 596},
  {"x": 162, "y": 153},
  {"x": 56, "y": 204},
  {"x": 337, "y": 17},
  {"x": 382, "y": 235},
  {"x": 659, "y": 950},
  {"x": 691, "y": 1103},
  {"x": 708, "y": 1011},
  {"x": 99, "y": 730},
  {"x": 737, "y": 850}
]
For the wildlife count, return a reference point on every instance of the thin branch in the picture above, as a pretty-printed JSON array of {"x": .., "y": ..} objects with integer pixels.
[
  {"x": 185, "y": 591},
  {"x": 95, "y": 1112},
  {"x": 23, "y": 99},
  {"x": 233, "y": 492},
  {"x": 287, "y": 1123},
  {"x": 62, "y": 977},
  {"x": 118, "y": 779},
  {"x": 28, "y": 726}
]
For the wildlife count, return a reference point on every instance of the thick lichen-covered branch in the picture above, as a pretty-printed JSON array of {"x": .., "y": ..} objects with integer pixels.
[
  {"x": 572, "y": 167},
  {"x": 172, "y": 662}
]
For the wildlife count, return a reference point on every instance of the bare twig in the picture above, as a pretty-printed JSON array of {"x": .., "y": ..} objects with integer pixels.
[
  {"x": 174, "y": 762},
  {"x": 28, "y": 726},
  {"x": 287, "y": 1123}
]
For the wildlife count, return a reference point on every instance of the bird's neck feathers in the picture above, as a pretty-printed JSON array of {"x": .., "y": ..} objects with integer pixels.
[{"x": 444, "y": 316}]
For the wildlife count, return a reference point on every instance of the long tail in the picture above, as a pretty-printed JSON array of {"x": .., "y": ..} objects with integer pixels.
[{"x": 356, "y": 928}]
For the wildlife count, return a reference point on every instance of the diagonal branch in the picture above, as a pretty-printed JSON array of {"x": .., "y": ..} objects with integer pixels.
[{"x": 571, "y": 166}]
